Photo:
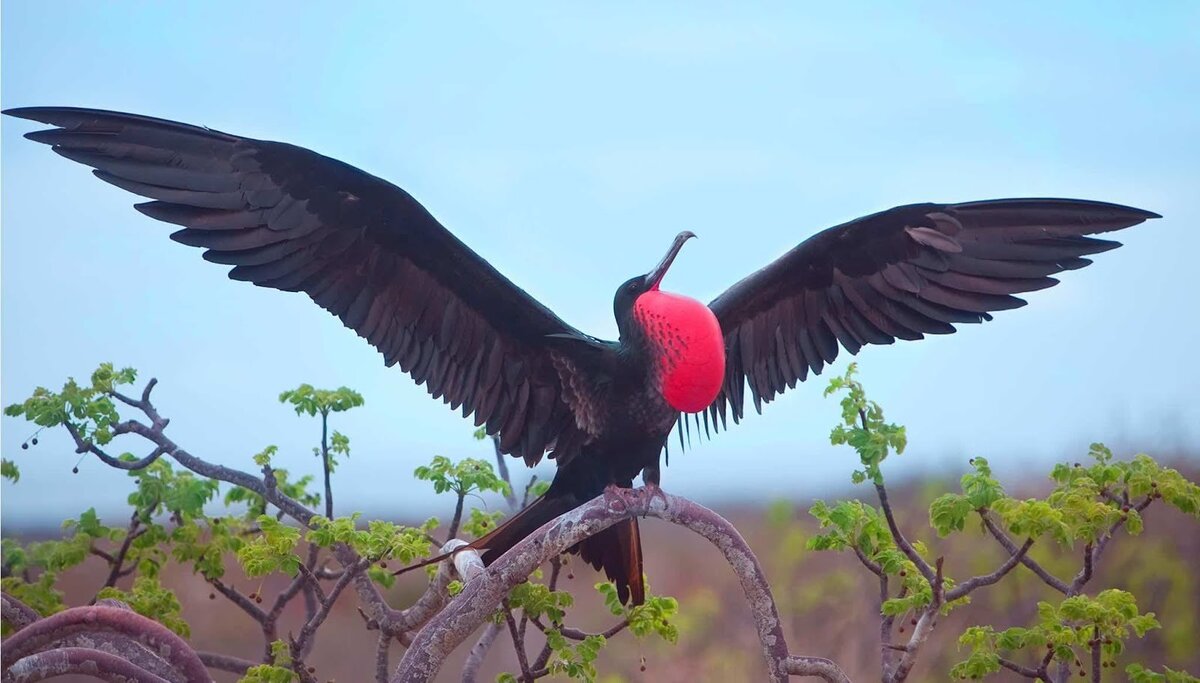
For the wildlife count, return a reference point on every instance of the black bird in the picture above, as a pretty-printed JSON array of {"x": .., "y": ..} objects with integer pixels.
[{"x": 363, "y": 249}]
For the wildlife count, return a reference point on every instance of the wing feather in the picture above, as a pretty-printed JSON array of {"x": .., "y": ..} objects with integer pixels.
[
  {"x": 898, "y": 274},
  {"x": 363, "y": 249}
]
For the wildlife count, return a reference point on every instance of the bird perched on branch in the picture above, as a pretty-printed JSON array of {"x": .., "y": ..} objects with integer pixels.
[{"x": 363, "y": 249}]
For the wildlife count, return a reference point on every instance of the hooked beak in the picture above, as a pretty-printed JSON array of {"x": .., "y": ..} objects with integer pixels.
[{"x": 655, "y": 276}]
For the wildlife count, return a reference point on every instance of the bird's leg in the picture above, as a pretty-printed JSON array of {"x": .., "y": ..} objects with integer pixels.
[
  {"x": 651, "y": 476},
  {"x": 624, "y": 495}
]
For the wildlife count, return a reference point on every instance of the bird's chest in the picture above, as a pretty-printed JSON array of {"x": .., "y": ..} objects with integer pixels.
[{"x": 685, "y": 350}]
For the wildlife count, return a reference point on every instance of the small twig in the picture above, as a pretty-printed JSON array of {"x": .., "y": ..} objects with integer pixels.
[
  {"x": 518, "y": 643},
  {"x": 1092, "y": 552},
  {"x": 309, "y": 630},
  {"x": 576, "y": 634},
  {"x": 220, "y": 662},
  {"x": 1008, "y": 544},
  {"x": 907, "y": 548},
  {"x": 502, "y": 467},
  {"x": 1026, "y": 671},
  {"x": 868, "y": 563},
  {"x": 313, "y": 581},
  {"x": 235, "y": 596},
  {"x": 478, "y": 653},
  {"x": 539, "y": 664},
  {"x": 117, "y": 562},
  {"x": 457, "y": 518},
  {"x": 325, "y": 463},
  {"x": 963, "y": 589}
]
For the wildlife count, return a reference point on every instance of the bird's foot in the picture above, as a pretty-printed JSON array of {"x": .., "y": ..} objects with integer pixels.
[
  {"x": 653, "y": 490},
  {"x": 616, "y": 496}
]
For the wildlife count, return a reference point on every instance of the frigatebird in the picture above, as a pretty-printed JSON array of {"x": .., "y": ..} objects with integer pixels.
[{"x": 363, "y": 249}]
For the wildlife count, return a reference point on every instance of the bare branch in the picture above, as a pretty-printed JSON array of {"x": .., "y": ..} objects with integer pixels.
[
  {"x": 477, "y": 654},
  {"x": 17, "y": 614},
  {"x": 246, "y": 604},
  {"x": 1026, "y": 671},
  {"x": 1092, "y": 552},
  {"x": 868, "y": 563},
  {"x": 576, "y": 634},
  {"x": 510, "y": 495},
  {"x": 61, "y": 661},
  {"x": 815, "y": 666},
  {"x": 1008, "y": 544},
  {"x": 382, "y": 651},
  {"x": 925, "y": 625},
  {"x": 907, "y": 548},
  {"x": 117, "y": 563},
  {"x": 518, "y": 640},
  {"x": 457, "y": 519},
  {"x": 104, "y": 619},
  {"x": 963, "y": 589},
  {"x": 309, "y": 630},
  {"x": 228, "y": 663}
]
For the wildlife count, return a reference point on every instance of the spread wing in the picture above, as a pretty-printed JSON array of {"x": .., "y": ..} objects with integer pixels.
[
  {"x": 363, "y": 249},
  {"x": 898, "y": 274}
]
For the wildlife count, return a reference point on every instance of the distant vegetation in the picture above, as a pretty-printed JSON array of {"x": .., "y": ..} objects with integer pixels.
[{"x": 1049, "y": 588}]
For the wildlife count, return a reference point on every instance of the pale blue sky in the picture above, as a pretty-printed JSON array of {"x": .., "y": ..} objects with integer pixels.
[{"x": 567, "y": 143}]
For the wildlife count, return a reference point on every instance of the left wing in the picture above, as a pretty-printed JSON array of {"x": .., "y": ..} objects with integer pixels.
[
  {"x": 898, "y": 274},
  {"x": 361, "y": 248}
]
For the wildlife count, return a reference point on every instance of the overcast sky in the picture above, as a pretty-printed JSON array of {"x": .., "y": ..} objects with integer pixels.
[{"x": 567, "y": 144}]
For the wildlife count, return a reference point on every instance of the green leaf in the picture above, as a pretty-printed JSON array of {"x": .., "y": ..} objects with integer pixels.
[
  {"x": 949, "y": 513},
  {"x": 9, "y": 470},
  {"x": 464, "y": 477},
  {"x": 307, "y": 400},
  {"x": 150, "y": 599},
  {"x": 272, "y": 550}
]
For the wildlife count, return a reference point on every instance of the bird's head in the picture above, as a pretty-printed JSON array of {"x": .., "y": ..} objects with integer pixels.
[
  {"x": 680, "y": 334},
  {"x": 635, "y": 287}
]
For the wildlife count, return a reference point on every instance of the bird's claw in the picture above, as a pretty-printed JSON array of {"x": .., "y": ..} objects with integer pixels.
[
  {"x": 617, "y": 497},
  {"x": 653, "y": 491}
]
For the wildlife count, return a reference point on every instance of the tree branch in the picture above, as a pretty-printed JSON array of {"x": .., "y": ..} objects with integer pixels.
[
  {"x": 907, "y": 548},
  {"x": 481, "y": 595},
  {"x": 246, "y": 604},
  {"x": 478, "y": 653},
  {"x": 16, "y": 613},
  {"x": 963, "y": 589},
  {"x": 309, "y": 630},
  {"x": 925, "y": 624},
  {"x": 220, "y": 662},
  {"x": 1008, "y": 544},
  {"x": 61, "y": 661},
  {"x": 518, "y": 640},
  {"x": 1026, "y": 671},
  {"x": 815, "y": 666},
  {"x": 116, "y": 563},
  {"x": 104, "y": 619}
]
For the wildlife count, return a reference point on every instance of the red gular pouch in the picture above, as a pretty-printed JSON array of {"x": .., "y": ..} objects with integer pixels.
[{"x": 688, "y": 347}]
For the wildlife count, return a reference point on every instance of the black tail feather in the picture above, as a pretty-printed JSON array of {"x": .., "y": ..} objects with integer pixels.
[{"x": 617, "y": 550}]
